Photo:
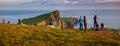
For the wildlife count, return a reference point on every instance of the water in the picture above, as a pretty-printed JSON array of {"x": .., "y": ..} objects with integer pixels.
[{"x": 111, "y": 18}]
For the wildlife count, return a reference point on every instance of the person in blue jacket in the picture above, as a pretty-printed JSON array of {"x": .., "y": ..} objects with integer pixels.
[{"x": 80, "y": 21}]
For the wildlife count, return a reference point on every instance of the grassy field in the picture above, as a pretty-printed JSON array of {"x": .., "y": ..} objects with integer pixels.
[{"x": 19, "y": 35}]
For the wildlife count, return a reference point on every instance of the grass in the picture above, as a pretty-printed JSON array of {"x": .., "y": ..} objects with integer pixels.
[
  {"x": 39, "y": 18},
  {"x": 114, "y": 32},
  {"x": 19, "y": 35}
]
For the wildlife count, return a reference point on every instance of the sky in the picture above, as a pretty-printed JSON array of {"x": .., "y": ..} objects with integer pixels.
[{"x": 58, "y": 4}]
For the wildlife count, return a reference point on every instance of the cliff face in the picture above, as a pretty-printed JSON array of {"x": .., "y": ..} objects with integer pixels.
[
  {"x": 68, "y": 22},
  {"x": 44, "y": 19}
]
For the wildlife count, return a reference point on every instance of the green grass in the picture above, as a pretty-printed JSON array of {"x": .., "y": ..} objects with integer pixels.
[
  {"x": 19, "y": 35},
  {"x": 35, "y": 20},
  {"x": 39, "y": 18}
]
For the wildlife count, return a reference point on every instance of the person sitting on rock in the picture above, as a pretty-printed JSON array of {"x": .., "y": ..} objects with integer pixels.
[
  {"x": 19, "y": 21},
  {"x": 8, "y": 22},
  {"x": 102, "y": 26},
  {"x": 97, "y": 27}
]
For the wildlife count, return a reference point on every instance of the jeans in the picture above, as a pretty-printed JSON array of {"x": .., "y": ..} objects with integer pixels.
[
  {"x": 95, "y": 23},
  {"x": 80, "y": 26}
]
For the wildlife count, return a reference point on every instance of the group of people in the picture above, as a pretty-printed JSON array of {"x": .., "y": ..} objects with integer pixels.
[
  {"x": 83, "y": 22},
  {"x": 19, "y": 21},
  {"x": 3, "y": 21}
]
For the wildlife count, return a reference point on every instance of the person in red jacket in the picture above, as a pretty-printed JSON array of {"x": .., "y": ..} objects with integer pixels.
[{"x": 85, "y": 22}]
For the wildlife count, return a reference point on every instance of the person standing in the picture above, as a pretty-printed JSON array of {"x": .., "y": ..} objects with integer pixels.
[
  {"x": 95, "y": 20},
  {"x": 85, "y": 22},
  {"x": 3, "y": 19},
  {"x": 80, "y": 21}
]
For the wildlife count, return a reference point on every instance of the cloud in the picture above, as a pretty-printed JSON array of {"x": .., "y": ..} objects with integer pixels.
[
  {"x": 57, "y": 4},
  {"x": 107, "y": 0},
  {"x": 13, "y": 2},
  {"x": 47, "y": 2}
]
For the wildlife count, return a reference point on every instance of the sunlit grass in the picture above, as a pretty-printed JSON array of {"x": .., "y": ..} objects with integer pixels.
[{"x": 19, "y": 35}]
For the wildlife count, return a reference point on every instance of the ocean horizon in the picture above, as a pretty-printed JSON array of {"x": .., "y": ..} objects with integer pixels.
[{"x": 111, "y": 18}]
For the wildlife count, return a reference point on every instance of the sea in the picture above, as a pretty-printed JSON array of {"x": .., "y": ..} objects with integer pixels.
[{"x": 111, "y": 18}]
